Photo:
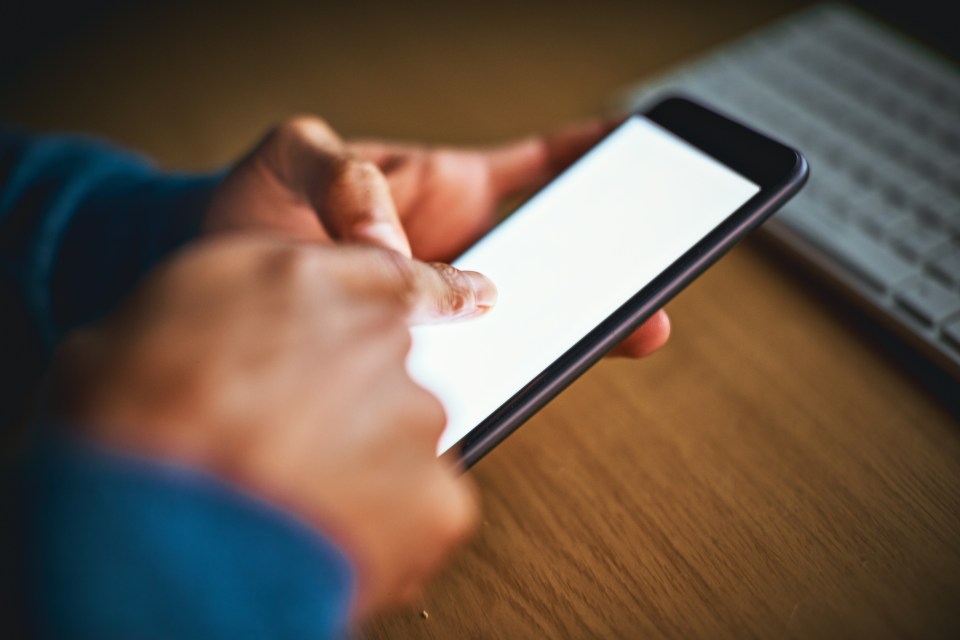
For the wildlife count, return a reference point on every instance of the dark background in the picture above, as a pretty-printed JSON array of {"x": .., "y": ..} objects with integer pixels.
[
  {"x": 61, "y": 62},
  {"x": 32, "y": 31},
  {"x": 771, "y": 473}
]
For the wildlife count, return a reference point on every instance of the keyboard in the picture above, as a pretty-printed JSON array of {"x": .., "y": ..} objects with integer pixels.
[{"x": 878, "y": 117}]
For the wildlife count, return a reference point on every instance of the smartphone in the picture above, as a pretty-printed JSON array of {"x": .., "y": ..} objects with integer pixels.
[{"x": 591, "y": 256}]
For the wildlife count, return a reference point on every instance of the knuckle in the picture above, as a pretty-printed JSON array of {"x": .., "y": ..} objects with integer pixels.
[
  {"x": 303, "y": 127},
  {"x": 299, "y": 134},
  {"x": 290, "y": 263},
  {"x": 358, "y": 173},
  {"x": 361, "y": 167},
  {"x": 453, "y": 302},
  {"x": 457, "y": 292}
]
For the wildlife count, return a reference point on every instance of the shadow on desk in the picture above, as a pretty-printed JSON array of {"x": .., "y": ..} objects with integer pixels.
[{"x": 915, "y": 369}]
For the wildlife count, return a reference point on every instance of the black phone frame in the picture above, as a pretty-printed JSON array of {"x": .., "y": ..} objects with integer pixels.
[{"x": 778, "y": 169}]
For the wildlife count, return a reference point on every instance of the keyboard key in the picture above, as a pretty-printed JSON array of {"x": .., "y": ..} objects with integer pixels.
[
  {"x": 951, "y": 333},
  {"x": 945, "y": 211},
  {"x": 876, "y": 264},
  {"x": 947, "y": 265},
  {"x": 916, "y": 240},
  {"x": 877, "y": 118},
  {"x": 930, "y": 302},
  {"x": 879, "y": 218}
]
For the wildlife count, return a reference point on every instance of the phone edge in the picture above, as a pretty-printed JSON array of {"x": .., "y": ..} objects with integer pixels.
[{"x": 751, "y": 215}]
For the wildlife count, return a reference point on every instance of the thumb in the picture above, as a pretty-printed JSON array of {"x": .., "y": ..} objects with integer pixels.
[
  {"x": 350, "y": 195},
  {"x": 359, "y": 206}
]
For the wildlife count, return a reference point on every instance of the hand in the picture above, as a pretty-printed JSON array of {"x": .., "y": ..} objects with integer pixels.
[
  {"x": 281, "y": 367},
  {"x": 303, "y": 181}
]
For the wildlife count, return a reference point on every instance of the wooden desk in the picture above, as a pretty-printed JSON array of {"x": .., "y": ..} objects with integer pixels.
[{"x": 770, "y": 474}]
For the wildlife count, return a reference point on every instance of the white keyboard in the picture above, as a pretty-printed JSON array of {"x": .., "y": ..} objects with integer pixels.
[{"x": 878, "y": 117}]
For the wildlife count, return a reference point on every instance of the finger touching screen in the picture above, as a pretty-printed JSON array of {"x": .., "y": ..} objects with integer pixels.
[{"x": 567, "y": 259}]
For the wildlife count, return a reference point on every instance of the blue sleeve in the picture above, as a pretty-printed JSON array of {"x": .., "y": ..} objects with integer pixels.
[
  {"x": 124, "y": 548},
  {"x": 121, "y": 548},
  {"x": 80, "y": 223}
]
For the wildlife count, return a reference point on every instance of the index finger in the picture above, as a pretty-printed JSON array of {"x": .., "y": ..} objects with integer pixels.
[{"x": 427, "y": 292}]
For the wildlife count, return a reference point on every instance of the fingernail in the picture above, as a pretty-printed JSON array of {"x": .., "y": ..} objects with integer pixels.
[
  {"x": 483, "y": 288},
  {"x": 384, "y": 234}
]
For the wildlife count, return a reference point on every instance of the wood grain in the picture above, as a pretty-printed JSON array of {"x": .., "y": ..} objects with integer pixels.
[{"x": 772, "y": 473}]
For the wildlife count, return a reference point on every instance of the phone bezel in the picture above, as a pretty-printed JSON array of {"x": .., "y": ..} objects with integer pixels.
[{"x": 778, "y": 169}]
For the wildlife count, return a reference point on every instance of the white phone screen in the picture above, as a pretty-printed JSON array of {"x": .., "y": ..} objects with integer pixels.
[{"x": 569, "y": 258}]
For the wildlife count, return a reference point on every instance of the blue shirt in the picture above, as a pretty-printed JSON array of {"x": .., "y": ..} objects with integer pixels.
[{"x": 108, "y": 545}]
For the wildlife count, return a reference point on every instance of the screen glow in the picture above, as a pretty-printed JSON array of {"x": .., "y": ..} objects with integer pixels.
[{"x": 568, "y": 259}]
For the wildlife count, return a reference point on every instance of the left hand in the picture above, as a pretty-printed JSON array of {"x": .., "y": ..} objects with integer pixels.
[{"x": 303, "y": 181}]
